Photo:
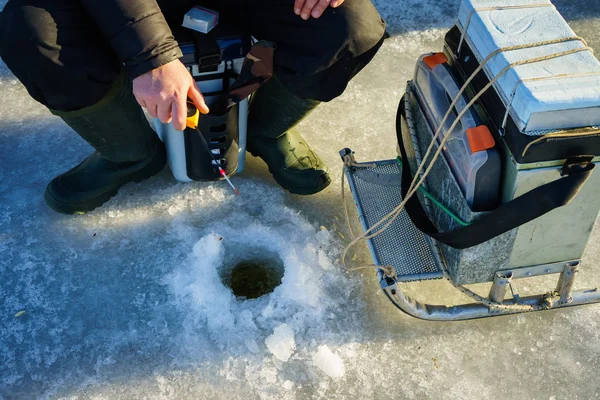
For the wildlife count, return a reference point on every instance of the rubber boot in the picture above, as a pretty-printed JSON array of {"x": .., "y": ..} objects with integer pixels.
[
  {"x": 273, "y": 114},
  {"x": 127, "y": 149}
]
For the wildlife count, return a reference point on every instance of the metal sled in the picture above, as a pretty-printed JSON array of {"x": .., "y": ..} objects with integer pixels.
[{"x": 406, "y": 255}]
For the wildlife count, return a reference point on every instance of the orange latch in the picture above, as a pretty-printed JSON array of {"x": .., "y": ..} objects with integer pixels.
[
  {"x": 435, "y": 59},
  {"x": 480, "y": 138}
]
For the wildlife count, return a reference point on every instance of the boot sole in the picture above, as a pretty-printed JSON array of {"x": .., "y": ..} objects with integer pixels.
[
  {"x": 83, "y": 208},
  {"x": 300, "y": 190},
  {"x": 303, "y": 190}
]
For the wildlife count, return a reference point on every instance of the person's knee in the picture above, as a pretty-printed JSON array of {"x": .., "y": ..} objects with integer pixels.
[
  {"x": 25, "y": 34},
  {"x": 356, "y": 25},
  {"x": 348, "y": 38},
  {"x": 27, "y": 45},
  {"x": 61, "y": 67}
]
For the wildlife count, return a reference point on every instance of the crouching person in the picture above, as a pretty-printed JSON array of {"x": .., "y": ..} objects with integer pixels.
[{"x": 94, "y": 63}]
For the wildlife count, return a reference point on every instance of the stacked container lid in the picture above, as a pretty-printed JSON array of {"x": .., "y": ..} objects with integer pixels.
[{"x": 560, "y": 92}]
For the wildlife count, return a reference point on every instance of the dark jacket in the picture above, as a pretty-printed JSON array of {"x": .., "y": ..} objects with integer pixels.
[{"x": 137, "y": 31}]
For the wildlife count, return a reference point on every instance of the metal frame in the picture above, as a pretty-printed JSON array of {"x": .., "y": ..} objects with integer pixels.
[
  {"x": 382, "y": 180},
  {"x": 562, "y": 296}
]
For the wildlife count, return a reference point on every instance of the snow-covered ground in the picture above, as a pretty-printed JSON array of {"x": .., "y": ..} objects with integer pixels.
[{"x": 127, "y": 302}]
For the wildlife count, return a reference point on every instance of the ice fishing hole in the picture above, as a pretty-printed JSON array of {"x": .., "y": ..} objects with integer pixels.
[{"x": 253, "y": 273}]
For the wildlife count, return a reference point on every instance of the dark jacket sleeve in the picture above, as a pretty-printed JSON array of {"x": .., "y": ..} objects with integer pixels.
[{"x": 137, "y": 31}]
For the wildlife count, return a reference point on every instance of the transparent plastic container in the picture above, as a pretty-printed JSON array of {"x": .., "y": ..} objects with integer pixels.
[{"x": 476, "y": 168}]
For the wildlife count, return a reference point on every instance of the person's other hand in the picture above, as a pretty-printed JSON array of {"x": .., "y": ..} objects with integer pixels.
[
  {"x": 164, "y": 92},
  {"x": 315, "y": 8}
]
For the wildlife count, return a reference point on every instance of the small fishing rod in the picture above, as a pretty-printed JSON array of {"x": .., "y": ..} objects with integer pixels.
[{"x": 193, "y": 116}]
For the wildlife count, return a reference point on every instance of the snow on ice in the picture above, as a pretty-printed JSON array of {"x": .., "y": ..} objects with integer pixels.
[{"x": 129, "y": 301}]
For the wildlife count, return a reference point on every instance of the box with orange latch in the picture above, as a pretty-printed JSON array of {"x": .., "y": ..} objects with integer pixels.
[{"x": 470, "y": 149}]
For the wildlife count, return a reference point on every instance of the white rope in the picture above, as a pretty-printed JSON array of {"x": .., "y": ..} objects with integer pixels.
[
  {"x": 561, "y": 134},
  {"x": 371, "y": 266},
  {"x": 537, "y": 79}
]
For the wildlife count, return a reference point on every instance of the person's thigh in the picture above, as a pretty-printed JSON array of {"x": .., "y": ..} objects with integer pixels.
[
  {"x": 316, "y": 58},
  {"x": 57, "y": 52}
]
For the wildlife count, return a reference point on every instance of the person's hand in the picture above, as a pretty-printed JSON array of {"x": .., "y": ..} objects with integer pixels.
[
  {"x": 315, "y": 8},
  {"x": 164, "y": 92}
]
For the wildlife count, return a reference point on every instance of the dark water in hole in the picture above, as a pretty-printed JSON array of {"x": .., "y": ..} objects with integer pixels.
[{"x": 252, "y": 279}]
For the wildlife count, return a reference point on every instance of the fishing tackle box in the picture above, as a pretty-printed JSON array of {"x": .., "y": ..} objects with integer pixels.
[
  {"x": 470, "y": 150},
  {"x": 215, "y": 61},
  {"x": 549, "y": 194}
]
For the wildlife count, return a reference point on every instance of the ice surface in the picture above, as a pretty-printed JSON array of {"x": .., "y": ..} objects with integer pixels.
[
  {"x": 537, "y": 105},
  {"x": 281, "y": 343},
  {"x": 329, "y": 362},
  {"x": 127, "y": 302}
]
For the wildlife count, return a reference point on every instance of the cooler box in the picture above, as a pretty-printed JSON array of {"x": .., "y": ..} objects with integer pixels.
[
  {"x": 214, "y": 60},
  {"x": 530, "y": 101},
  {"x": 558, "y": 93}
]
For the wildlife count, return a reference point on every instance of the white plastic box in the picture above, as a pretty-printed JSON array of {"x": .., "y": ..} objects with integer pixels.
[
  {"x": 200, "y": 19},
  {"x": 558, "y": 93}
]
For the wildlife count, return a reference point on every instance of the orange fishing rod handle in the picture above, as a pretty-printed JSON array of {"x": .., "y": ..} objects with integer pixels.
[{"x": 193, "y": 115}]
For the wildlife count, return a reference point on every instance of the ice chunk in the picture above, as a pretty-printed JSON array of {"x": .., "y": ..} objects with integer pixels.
[
  {"x": 329, "y": 362},
  {"x": 281, "y": 343},
  {"x": 288, "y": 385}
]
